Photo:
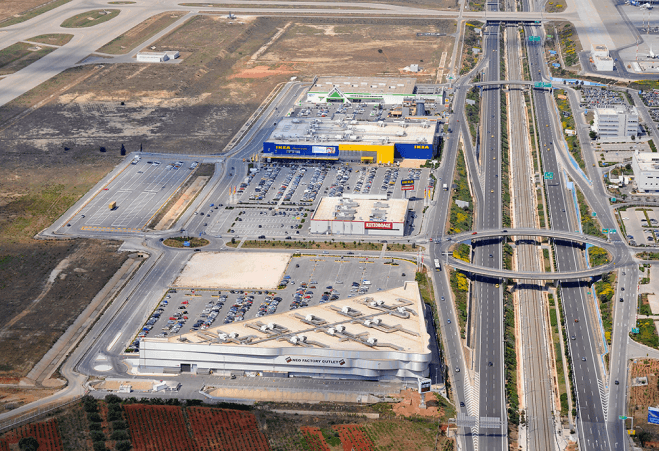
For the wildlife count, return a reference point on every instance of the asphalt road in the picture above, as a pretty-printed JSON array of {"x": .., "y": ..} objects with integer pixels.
[{"x": 583, "y": 350}]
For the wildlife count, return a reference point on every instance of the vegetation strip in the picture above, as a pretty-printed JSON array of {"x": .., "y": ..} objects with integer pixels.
[
  {"x": 90, "y": 18},
  {"x": 34, "y": 12},
  {"x": 141, "y": 33}
]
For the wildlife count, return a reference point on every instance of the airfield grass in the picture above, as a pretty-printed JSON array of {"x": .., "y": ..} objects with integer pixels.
[
  {"x": 141, "y": 33},
  {"x": 15, "y": 12},
  {"x": 90, "y": 18},
  {"x": 52, "y": 39},
  {"x": 18, "y": 56}
]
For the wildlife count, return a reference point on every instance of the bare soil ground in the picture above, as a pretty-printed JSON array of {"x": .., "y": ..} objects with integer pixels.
[
  {"x": 12, "y": 8},
  {"x": 137, "y": 35},
  {"x": 642, "y": 397},
  {"x": 20, "y": 55}
]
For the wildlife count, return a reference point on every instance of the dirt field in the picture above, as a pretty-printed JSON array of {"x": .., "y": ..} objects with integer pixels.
[
  {"x": 16, "y": 11},
  {"x": 137, "y": 35},
  {"x": 20, "y": 55},
  {"x": 642, "y": 397}
]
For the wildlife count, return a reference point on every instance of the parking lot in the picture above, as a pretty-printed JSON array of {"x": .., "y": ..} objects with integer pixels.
[
  {"x": 309, "y": 281},
  {"x": 600, "y": 98},
  {"x": 639, "y": 231},
  {"x": 277, "y": 198},
  {"x": 138, "y": 191},
  {"x": 650, "y": 98}
]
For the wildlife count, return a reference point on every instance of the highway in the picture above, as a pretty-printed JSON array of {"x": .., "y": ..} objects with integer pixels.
[
  {"x": 585, "y": 348},
  {"x": 486, "y": 291},
  {"x": 534, "y": 362}
]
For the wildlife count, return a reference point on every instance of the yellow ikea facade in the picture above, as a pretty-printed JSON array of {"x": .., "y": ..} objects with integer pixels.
[{"x": 376, "y": 153}]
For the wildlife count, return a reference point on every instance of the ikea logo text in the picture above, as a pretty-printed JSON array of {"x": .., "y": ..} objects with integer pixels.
[
  {"x": 283, "y": 147},
  {"x": 421, "y": 147}
]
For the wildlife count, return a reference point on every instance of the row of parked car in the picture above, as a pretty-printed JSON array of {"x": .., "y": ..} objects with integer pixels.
[
  {"x": 238, "y": 309},
  {"x": 268, "y": 306},
  {"x": 316, "y": 182},
  {"x": 265, "y": 183},
  {"x": 337, "y": 187},
  {"x": 364, "y": 183}
]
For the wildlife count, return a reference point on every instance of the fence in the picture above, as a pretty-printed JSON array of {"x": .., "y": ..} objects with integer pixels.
[{"x": 33, "y": 415}]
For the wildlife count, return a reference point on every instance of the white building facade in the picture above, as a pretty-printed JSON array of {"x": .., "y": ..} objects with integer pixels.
[
  {"x": 646, "y": 171},
  {"x": 616, "y": 123}
]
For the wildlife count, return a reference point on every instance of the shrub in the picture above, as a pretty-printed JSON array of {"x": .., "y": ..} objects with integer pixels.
[
  {"x": 97, "y": 436},
  {"x": 119, "y": 435}
]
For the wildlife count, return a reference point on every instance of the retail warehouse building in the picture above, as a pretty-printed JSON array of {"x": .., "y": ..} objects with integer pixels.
[
  {"x": 370, "y": 337},
  {"x": 360, "y": 214},
  {"x": 374, "y": 142}
]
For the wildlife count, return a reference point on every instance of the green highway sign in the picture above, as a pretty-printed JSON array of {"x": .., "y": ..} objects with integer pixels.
[
  {"x": 594, "y": 214},
  {"x": 534, "y": 38},
  {"x": 613, "y": 199},
  {"x": 549, "y": 36},
  {"x": 549, "y": 176},
  {"x": 636, "y": 330},
  {"x": 622, "y": 417},
  {"x": 546, "y": 85},
  {"x": 605, "y": 230}
]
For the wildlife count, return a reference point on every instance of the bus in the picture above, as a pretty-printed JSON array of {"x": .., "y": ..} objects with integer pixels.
[{"x": 438, "y": 267}]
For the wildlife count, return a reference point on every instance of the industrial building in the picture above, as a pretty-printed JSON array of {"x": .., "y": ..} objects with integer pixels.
[
  {"x": 615, "y": 123},
  {"x": 156, "y": 57},
  {"x": 646, "y": 171},
  {"x": 360, "y": 214},
  {"x": 382, "y": 90},
  {"x": 375, "y": 142},
  {"x": 370, "y": 337}
]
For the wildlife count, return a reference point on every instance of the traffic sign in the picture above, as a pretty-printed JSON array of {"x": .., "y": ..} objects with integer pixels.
[
  {"x": 534, "y": 38},
  {"x": 549, "y": 176},
  {"x": 594, "y": 214},
  {"x": 622, "y": 417},
  {"x": 546, "y": 85},
  {"x": 636, "y": 330},
  {"x": 613, "y": 199},
  {"x": 613, "y": 231},
  {"x": 605, "y": 230},
  {"x": 549, "y": 36}
]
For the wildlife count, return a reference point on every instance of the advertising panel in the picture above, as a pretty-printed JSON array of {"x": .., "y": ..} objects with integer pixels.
[
  {"x": 313, "y": 361},
  {"x": 331, "y": 150},
  {"x": 653, "y": 415},
  {"x": 379, "y": 225},
  {"x": 424, "y": 385},
  {"x": 407, "y": 184}
]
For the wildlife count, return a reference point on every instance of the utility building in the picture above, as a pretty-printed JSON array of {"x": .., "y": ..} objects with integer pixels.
[{"x": 382, "y": 90}]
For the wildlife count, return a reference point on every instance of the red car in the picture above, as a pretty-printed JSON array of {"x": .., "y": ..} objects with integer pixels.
[{"x": 474, "y": 233}]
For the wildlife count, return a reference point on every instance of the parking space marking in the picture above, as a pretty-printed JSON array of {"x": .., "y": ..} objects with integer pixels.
[
  {"x": 134, "y": 209},
  {"x": 101, "y": 214},
  {"x": 111, "y": 229}
]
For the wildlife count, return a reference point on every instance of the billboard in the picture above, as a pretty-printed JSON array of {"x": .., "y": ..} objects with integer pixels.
[
  {"x": 324, "y": 149},
  {"x": 379, "y": 225},
  {"x": 313, "y": 361},
  {"x": 424, "y": 385},
  {"x": 407, "y": 184},
  {"x": 653, "y": 415}
]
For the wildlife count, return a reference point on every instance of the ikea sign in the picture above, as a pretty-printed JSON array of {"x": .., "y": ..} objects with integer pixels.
[{"x": 422, "y": 147}]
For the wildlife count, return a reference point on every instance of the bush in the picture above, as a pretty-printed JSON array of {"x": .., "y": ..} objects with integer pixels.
[
  {"x": 100, "y": 446},
  {"x": 28, "y": 444},
  {"x": 119, "y": 425},
  {"x": 90, "y": 404},
  {"x": 94, "y": 417},
  {"x": 97, "y": 436},
  {"x": 95, "y": 426},
  {"x": 112, "y": 399},
  {"x": 114, "y": 415},
  {"x": 124, "y": 445},
  {"x": 119, "y": 435}
]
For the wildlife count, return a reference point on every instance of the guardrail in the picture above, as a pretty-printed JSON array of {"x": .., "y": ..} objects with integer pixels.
[{"x": 35, "y": 414}]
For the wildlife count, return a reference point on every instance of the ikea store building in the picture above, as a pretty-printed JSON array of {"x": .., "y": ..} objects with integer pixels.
[{"x": 372, "y": 142}]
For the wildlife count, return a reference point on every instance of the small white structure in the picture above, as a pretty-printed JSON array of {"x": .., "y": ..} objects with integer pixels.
[
  {"x": 157, "y": 57},
  {"x": 616, "y": 123},
  {"x": 603, "y": 63},
  {"x": 646, "y": 171},
  {"x": 599, "y": 50}
]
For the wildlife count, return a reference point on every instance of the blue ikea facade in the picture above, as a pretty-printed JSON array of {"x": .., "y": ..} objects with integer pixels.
[
  {"x": 414, "y": 151},
  {"x": 301, "y": 150}
]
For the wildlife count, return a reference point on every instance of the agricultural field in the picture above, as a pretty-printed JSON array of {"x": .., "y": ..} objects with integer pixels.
[{"x": 155, "y": 425}]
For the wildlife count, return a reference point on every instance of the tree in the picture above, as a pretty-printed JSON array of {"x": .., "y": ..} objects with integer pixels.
[
  {"x": 123, "y": 150},
  {"x": 593, "y": 134},
  {"x": 28, "y": 444}
]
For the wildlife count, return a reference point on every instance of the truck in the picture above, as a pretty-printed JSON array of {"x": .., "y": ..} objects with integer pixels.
[
  {"x": 445, "y": 186},
  {"x": 113, "y": 205},
  {"x": 136, "y": 159}
]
